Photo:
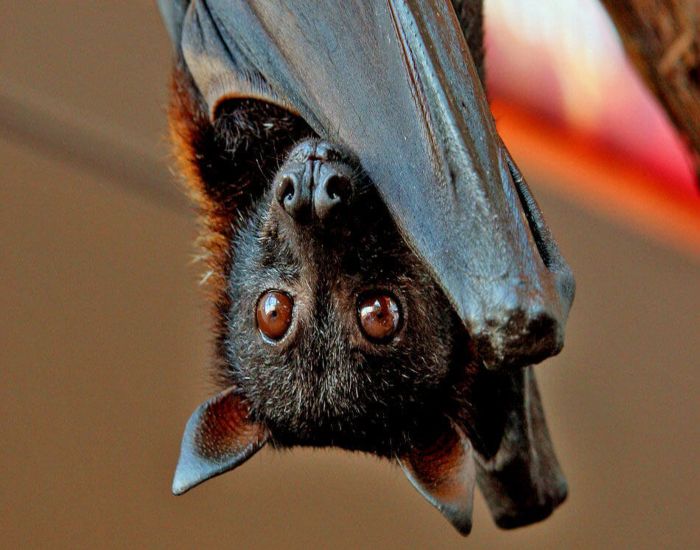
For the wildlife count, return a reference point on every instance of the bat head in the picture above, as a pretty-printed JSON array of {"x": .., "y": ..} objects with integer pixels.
[{"x": 337, "y": 334}]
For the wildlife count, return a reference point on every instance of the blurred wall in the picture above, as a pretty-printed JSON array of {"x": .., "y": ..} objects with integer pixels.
[{"x": 104, "y": 348}]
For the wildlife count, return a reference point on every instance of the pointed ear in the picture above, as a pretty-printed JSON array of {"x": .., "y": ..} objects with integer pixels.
[
  {"x": 218, "y": 437},
  {"x": 442, "y": 470}
]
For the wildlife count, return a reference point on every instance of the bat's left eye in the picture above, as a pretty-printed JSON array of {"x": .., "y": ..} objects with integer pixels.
[
  {"x": 274, "y": 314},
  {"x": 379, "y": 316}
]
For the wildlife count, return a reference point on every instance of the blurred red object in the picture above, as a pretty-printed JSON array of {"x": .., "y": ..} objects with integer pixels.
[{"x": 569, "y": 104}]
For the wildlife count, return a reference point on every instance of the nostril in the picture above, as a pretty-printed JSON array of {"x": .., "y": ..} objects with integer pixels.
[
  {"x": 334, "y": 192},
  {"x": 292, "y": 192},
  {"x": 286, "y": 190},
  {"x": 338, "y": 188}
]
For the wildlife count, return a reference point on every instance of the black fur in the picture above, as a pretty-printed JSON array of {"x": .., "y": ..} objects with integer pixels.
[{"x": 325, "y": 383}]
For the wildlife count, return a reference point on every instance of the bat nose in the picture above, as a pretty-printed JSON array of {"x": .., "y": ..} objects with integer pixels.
[{"x": 315, "y": 183}]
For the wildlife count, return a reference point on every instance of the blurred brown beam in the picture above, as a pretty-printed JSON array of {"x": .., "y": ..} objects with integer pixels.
[{"x": 57, "y": 130}]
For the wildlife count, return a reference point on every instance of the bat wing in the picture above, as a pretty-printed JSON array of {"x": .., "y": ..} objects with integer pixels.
[
  {"x": 394, "y": 81},
  {"x": 516, "y": 467}
]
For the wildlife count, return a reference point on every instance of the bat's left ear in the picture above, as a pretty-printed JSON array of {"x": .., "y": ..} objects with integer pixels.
[
  {"x": 218, "y": 437},
  {"x": 442, "y": 469}
]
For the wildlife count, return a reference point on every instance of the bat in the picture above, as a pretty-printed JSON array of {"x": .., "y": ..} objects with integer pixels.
[{"x": 381, "y": 277}]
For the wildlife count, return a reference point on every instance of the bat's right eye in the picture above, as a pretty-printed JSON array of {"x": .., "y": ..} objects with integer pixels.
[
  {"x": 379, "y": 316},
  {"x": 274, "y": 314}
]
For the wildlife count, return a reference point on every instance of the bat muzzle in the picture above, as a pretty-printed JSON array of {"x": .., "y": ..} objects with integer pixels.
[{"x": 315, "y": 184}]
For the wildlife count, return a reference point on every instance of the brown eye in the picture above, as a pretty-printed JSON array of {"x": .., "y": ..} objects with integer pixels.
[
  {"x": 379, "y": 316},
  {"x": 274, "y": 314}
]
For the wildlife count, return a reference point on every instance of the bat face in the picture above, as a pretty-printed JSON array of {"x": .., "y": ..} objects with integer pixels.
[{"x": 337, "y": 334}]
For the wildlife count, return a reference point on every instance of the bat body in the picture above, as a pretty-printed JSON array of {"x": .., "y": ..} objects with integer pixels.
[{"x": 381, "y": 277}]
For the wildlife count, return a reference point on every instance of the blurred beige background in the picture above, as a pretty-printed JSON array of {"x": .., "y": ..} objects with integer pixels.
[{"x": 104, "y": 344}]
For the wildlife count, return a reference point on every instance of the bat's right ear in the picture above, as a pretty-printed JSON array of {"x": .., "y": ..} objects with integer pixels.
[
  {"x": 441, "y": 468},
  {"x": 219, "y": 436}
]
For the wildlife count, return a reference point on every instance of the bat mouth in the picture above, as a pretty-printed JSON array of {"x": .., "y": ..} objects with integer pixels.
[{"x": 383, "y": 437}]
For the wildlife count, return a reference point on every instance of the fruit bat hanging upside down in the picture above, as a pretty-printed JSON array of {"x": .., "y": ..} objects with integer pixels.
[{"x": 382, "y": 278}]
